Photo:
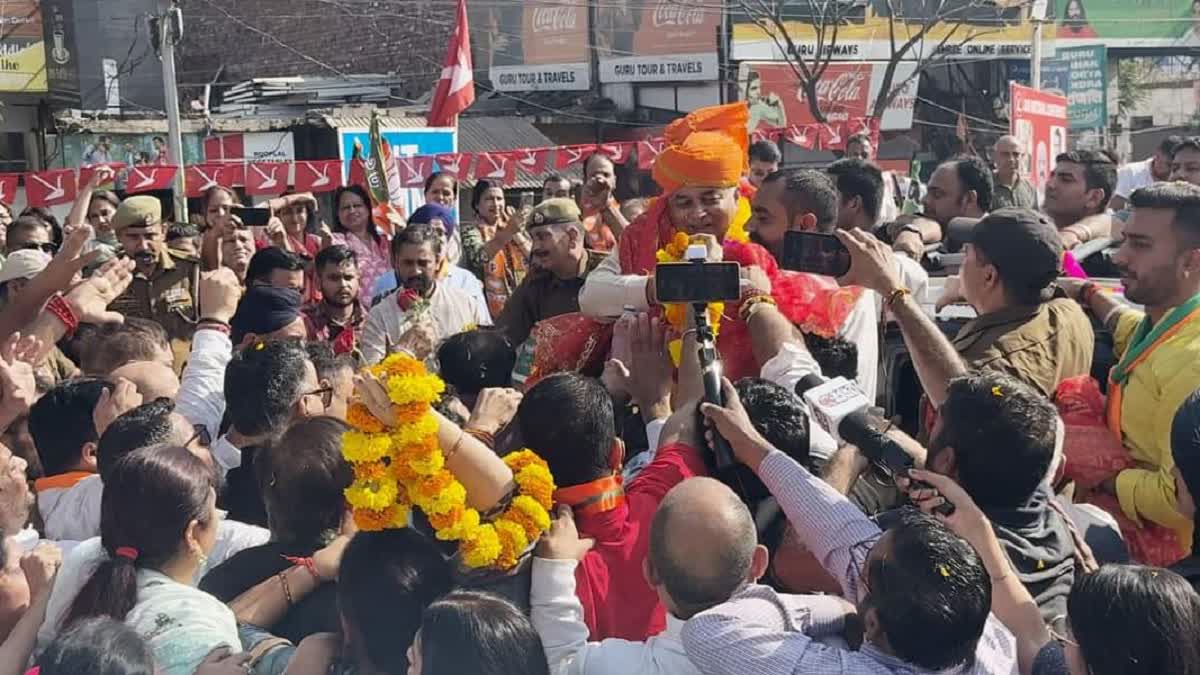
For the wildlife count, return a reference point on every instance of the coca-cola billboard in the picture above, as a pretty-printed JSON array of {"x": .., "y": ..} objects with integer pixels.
[
  {"x": 847, "y": 91},
  {"x": 658, "y": 40},
  {"x": 537, "y": 45}
]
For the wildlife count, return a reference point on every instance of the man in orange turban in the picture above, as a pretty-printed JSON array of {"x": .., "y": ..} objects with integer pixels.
[{"x": 699, "y": 171}]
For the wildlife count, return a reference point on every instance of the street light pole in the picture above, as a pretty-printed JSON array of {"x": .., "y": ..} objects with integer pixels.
[{"x": 1037, "y": 15}]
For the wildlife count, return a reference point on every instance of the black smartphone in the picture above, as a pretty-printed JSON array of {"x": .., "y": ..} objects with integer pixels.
[
  {"x": 815, "y": 253},
  {"x": 697, "y": 282},
  {"x": 252, "y": 216}
]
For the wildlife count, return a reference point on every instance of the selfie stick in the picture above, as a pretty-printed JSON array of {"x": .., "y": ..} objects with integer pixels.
[{"x": 710, "y": 365}]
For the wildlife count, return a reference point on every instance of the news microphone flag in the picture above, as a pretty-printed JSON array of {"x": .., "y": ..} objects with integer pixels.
[{"x": 455, "y": 91}]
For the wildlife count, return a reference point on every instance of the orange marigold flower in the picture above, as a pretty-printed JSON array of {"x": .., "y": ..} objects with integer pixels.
[
  {"x": 360, "y": 417},
  {"x": 410, "y": 413}
]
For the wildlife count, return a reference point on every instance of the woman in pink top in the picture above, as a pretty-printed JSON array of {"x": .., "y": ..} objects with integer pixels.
[{"x": 352, "y": 227}]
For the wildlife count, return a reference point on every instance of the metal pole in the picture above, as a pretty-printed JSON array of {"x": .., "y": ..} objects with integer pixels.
[
  {"x": 1035, "y": 56},
  {"x": 171, "y": 30}
]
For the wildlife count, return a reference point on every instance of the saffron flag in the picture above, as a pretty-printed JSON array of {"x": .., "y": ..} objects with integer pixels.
[{"x": 383, "y": 180}]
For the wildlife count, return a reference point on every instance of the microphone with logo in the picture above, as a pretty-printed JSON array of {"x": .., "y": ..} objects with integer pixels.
[{"x": 841, "y": 408}]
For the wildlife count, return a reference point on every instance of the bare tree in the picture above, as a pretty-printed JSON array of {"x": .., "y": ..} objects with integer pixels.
[{"x": 911, "y": 25}]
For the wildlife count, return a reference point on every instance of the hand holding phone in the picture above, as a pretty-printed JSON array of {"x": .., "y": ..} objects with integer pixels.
[
  {"x": 697, "y": 282},
  {"x": 815, "y": 253},
  {"x": 252, "y": 216}
]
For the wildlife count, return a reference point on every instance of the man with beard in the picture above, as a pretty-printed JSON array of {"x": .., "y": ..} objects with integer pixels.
[
  {"x": 959, "y": 187},
  {"x": 1159, "y": 350},
  {"x": 1079, "y": 188},
  {"x": 421, "y": 304},
  {"x": 1136, "y": 175},
  {"x": 561, "y": 263},
  {"x": 164, "y": 281},
  {"x": 339, "y": 309}
]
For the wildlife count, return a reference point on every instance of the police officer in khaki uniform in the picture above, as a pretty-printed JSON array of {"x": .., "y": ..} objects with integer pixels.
[{"x": 165, "y": 282}]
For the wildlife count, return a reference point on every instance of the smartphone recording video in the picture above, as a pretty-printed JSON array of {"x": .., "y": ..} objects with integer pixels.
[
  {"x": 815, "y": 254},
  {"x": 697, "y": 282},
  {"x": 252, "y": 217}
]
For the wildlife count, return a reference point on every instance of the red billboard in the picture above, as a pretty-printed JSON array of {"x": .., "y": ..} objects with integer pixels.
[
  {"x": 1039, "y": 121},
  {"x": 847, "y": 91}
]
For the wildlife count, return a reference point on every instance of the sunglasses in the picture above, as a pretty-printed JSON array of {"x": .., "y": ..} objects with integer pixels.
[
  {"x": 47, "y": 247},
  {"x": 326, "y": 394},
  {"x": 200, "y": 436}
]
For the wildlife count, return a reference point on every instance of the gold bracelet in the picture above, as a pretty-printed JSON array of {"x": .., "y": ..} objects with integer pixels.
[
  {"x": 895, "y": 295},
  {"x": 751, "y": 302},
  {"x": 454, "y": 449}
]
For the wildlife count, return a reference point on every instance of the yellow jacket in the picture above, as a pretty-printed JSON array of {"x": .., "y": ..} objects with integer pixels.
[{"x": 1153, "y": 393}]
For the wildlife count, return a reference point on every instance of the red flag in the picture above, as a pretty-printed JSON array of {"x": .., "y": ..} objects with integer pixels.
[
  {"x": 455, "y": 90},
  {"x": 8, "y": 188},
  {"x": 413, "y": 170},
  {"x": 618, "y": 152},
  {"x": 570, "y": 155},
  {"x": 85, "y": 172},
  {"x": 199, "y": 178},
  {"x": 801, "y": 135},
  {"x": 648, "y": 150},
  {"x": 150, "y": 177},
  {"x": 532, "y": 161},
  {"x": 499, "y": 167},
  {"x": 831, "y": 137},
  {"x": 50, "y": 188},
  {"x": 267, "y": 178},
  {"x": 234, "y": 175},
  {"x": 456, "y": 164},
  {"x": 225, "y": 148},
  {"x": 319, "y": 176},
  {"x": 358, "y": 173}
]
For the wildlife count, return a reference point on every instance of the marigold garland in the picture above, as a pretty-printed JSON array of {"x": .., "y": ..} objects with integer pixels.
[{"x": 397, "y": 469}]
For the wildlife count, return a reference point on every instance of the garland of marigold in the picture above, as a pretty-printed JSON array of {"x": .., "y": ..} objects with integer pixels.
[
  {"x": 397, "y": 469},
  {"x": 676, "y": 313}
]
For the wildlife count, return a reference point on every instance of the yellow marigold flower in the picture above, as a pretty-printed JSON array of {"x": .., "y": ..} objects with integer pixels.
[
  {"x": 359, "y": 417},
  {"x": 376, "y": 494},
  {"x": 536, "y": 482},
  {"x": 482, "y": 549},
  {"x": 440, "y": 502},
  {"x": 358, "y": 447},
  {"x": 393, "y": 517},
  {"x": 426, "y": 462},
  {"x": 398, "y": 365},
  {"x": 416, "y": 432},
  {"x": 529, "y": 515},
  {"x": 407, "y": 390},
  {"x": 513, "y": 543}
]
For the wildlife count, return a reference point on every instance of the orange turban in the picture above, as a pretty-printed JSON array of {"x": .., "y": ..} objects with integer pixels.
[{"x": 707, "y": 147}]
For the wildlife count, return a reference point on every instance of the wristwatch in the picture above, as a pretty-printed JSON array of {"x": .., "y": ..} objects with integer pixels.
[{"x": 910, "y": 227}]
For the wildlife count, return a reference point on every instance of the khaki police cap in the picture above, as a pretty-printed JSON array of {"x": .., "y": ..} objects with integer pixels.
[
  {"x": 557, "y": 211},
  {"x": 138, "y": 211}
]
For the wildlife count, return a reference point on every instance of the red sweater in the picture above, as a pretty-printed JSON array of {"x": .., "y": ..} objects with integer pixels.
[{"x": 617, "y": 601}]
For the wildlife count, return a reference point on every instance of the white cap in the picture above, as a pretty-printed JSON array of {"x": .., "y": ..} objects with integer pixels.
[{"x": 23, "y": 264}]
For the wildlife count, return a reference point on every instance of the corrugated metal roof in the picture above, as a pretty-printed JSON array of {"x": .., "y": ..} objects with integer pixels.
[{"x": 187, "y": 125}]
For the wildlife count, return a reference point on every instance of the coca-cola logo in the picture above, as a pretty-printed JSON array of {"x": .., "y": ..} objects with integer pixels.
[
  {"x": 673, "y": 13},
  {"x": 554, "y": 19},
  {"x": 846, "y": 87}
]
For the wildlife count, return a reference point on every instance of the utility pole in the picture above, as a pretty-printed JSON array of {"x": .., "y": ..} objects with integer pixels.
[
  {"x": 170, "y": 32},
  {"x": 1037, "y": 15}
]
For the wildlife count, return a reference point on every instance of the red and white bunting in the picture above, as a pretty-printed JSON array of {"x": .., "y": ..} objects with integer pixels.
[
  {"x": 532, "y": 161},
  {"x": 570, "y": 155},
  {"x": 772, "y": 135},
  {"x": 86, "y": 173},
  {"x": 8, "y": 188},
  {"x": 150, "y": 177},
  {"x": 50, "y": 188},
  {"x": 801, "y": 135},
  {"x": 414, "y": 169},
  {"x": 201, "y": 178},
  {"x": 648, "y": 150},
  {"x": 455, "y": 164},
  {"x": 267, "y": 178},
  {"x": 318, "y": 176},
  {"x": 497, "y": 167},
  {"x": 618, "y": 152},
  {"x": 831, "y": 137}
]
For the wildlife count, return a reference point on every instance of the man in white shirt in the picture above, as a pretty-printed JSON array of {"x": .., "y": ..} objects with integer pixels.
[
  {"x": 444, "y": 311},
  {"x": 703, "y": 549},
  {"x": 860, "y": 192},
  {"x": 1136, "y": 175}
]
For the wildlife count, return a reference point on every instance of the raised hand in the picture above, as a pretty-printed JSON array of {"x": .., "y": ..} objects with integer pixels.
[
  {"x": 90, "y": 299},
  {"x": 219, "y": 293},
  {"x": 18, "y": 387},
  {"x": 562, "y": 540},
  {"x": 494, "y": 409},
  {"x": 123, "y": 397}
]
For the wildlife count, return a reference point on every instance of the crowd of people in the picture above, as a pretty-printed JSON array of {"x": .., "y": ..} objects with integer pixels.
[{"x": 192, "y": 481}]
